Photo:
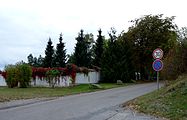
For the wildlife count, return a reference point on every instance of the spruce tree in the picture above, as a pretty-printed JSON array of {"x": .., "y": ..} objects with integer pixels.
[
  {"x": 49, "y": 52},
  {"x": 79, "y": 50},
  {"x": 82, "y": 54},
  {"x": 98, "y": 49},
  {"x": 60, "y": 55}
]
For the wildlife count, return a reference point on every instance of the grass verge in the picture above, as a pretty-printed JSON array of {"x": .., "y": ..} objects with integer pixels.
[
  {"x": 7, "y": 94},
  {"x": 169, "y": 102}
]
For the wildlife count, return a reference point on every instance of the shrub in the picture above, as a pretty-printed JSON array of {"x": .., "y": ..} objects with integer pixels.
[
  {"x": 24, "y": 73},
  {"x": 174, "y": 64},
  {"x": 19, "y": 73},
  {"x": 53, "y": 77},
  {"x": 11, "y": 77}
]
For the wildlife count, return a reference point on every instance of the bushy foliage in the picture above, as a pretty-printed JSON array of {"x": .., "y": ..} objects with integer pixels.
[
  {"x": 173, "y": 65},
  {"x": 24, "y": 74},
  {"x": 71, "y": 71},
  {"x": 52, "y": 74},
  {"x": 52, "y": 77},
  {"x": 175, "y": 62},
  {"x": 11, "y": 76},
  {"x": 19, "y": 73},
  {"x": 39, "y": 72}
]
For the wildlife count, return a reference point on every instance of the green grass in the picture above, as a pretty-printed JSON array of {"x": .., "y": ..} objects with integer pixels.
[
  {"x": 7, "y": 94},
  {"x": 169, "y": 102}
]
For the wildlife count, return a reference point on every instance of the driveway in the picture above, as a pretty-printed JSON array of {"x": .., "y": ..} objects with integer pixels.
[{"x": 102, "y": 105}]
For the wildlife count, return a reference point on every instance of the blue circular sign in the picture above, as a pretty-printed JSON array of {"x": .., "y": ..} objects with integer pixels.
[{"x": 157, "y": 65}]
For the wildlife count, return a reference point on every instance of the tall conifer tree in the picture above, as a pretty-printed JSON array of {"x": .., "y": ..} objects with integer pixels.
[
  {"x": 98, "y": 49},
  {"x": 60, "y": 55},
  {"x": 82, "y": 53},
  {"x": 49, "y": 52}
]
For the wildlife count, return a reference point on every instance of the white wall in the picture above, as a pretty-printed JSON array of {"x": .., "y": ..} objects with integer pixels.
[
  {"x": 93, "y": 77},
  {"x": 63, "y": 81},
  {"x": 2, "y": 81}
]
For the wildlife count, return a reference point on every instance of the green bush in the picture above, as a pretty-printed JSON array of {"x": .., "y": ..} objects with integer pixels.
[
  {"x": 53, "y": 77},
  {"x": 24, "y": 73},
  {"x": 11, "y": 78},
  {"x": 20, "y": 73}
]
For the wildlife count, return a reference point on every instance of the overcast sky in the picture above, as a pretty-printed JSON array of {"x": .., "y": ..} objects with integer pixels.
[{"x": 26, "y": 25}]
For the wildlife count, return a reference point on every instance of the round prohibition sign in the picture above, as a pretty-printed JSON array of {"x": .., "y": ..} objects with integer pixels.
[
  {"x": 158, "y": 53},
  {"x": 157, "y": 65}
]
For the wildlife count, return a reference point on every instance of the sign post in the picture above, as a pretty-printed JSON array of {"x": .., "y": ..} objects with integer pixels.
[
  {"x": 157, "y": 80},
  {"x": 157, "y": 64}
]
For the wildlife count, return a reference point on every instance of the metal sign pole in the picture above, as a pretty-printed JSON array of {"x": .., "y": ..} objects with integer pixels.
[
  {"x": 157, "y": 80},
  {"x": 157, "y": 64}
]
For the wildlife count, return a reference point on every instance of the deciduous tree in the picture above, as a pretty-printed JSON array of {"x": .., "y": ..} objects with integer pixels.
[{"x": 148, "y": 33}]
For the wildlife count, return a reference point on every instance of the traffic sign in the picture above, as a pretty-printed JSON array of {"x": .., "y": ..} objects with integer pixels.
[
  {"x": 157, "y": 53},
  {"x": 157, "y": 65}
]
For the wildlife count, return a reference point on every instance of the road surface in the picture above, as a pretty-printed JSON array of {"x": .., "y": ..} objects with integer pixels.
[{"x": 102, "y": 105}]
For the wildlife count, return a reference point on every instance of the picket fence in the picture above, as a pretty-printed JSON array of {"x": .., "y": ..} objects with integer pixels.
[{"x": 92, "y": 77}]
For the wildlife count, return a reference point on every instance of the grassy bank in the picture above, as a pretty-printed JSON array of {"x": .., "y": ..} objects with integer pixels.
[
  {"x": 7, "y": 94},
  {"x": 169, "y": 102}
]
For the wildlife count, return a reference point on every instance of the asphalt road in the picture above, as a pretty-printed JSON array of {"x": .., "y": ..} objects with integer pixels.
[{"x": 100, "y": 105}]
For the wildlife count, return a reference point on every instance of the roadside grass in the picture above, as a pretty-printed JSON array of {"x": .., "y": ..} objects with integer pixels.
[
  {"x": 169, "y": 102},
  {"x": 7, "y": 94}
]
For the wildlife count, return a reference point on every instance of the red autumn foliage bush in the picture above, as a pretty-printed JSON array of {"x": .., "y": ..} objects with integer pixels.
[
  {"x": 69, "y": 70},
  {"x": 3, "y": 73},
  {"x": 39, "y": 72}
]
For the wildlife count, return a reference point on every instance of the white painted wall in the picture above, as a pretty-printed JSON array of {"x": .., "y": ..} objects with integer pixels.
[
  {"x": 63, "y": 81},
  {"x": 93, "y": 77},
  {"x": 2, "y": 81}
]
